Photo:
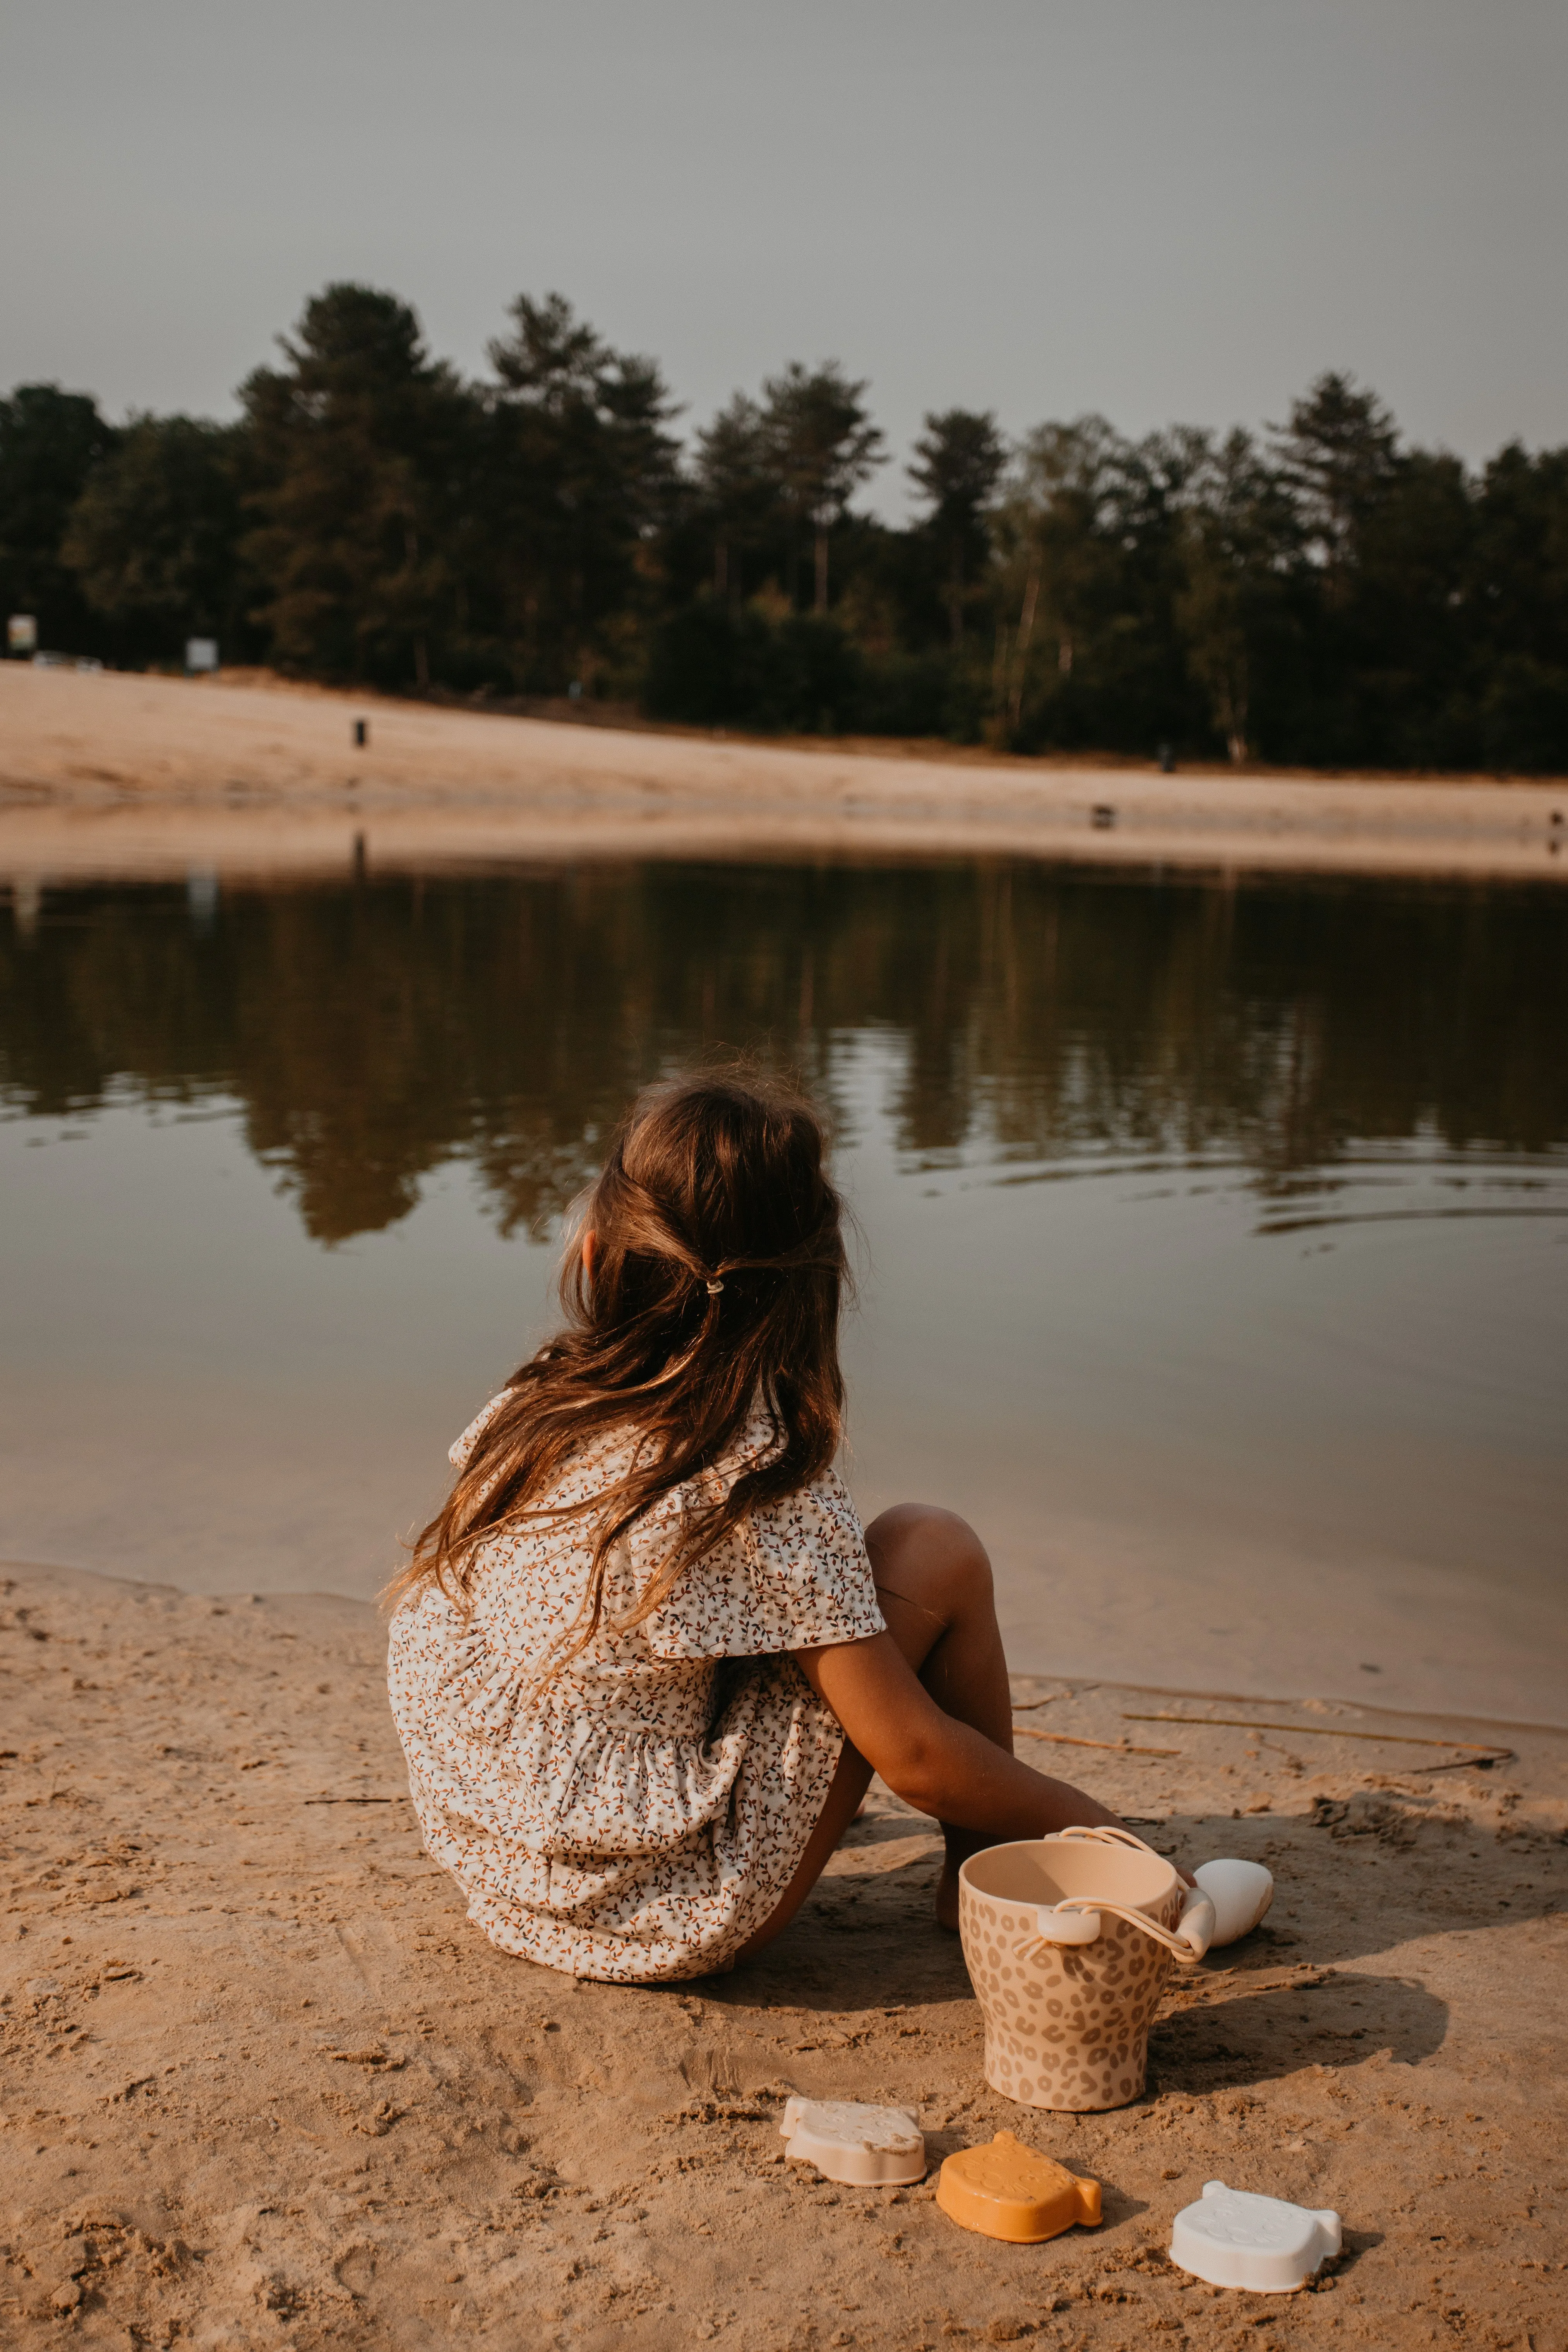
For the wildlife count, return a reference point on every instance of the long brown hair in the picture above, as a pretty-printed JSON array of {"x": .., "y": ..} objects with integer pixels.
[{"x": 717, "y": 1267}]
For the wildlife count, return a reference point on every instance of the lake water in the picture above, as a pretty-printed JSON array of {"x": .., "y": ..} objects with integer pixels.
[{"x": 1213, "y": 1232}]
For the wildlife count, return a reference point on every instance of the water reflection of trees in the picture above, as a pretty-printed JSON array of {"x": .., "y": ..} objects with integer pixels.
[{"x": 373, "y": 1032}]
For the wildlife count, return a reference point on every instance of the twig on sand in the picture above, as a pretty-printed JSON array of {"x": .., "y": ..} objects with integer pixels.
[
  {"x": 1483, "y": 1759},
  {"x": 1111, "y": 1747}
]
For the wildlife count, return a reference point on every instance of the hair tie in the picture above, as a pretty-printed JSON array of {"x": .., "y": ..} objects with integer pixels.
[{"x": 715, "y": 1286}]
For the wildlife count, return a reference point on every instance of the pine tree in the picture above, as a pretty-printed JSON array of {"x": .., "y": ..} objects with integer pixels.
[
  {"x": 958, "y": 463},
  {"x": 821, "y": 446},
  {"x": 357, "y": 445}
]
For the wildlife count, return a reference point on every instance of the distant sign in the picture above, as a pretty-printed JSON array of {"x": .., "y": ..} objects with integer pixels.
[
  {"x": 201, "y": 653},
  {"x": 21, "y": 633}
]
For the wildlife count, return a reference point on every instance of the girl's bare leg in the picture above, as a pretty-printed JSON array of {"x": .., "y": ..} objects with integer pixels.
[{"x": 933, "y": 1582}]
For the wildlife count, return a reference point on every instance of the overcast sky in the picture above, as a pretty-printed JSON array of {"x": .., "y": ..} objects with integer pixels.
[{"x": 1162, "y": 209}]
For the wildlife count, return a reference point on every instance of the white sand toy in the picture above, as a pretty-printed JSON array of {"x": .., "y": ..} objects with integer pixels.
[
  {"x": 1232, "y": 2238},
  {"x": 1240, "y": 1892},
  {"x": 865, "y": 2148}
]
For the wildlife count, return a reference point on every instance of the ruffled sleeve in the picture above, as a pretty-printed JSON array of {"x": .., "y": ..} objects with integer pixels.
[
  {"x": 794, "y": 1575},
  {"x": 458, "y": 1451}
]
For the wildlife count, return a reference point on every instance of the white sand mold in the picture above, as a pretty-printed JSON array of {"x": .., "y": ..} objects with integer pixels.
[
  {"x": 864, "y": 2146},
  {"x": 1231, "y": 2238}
]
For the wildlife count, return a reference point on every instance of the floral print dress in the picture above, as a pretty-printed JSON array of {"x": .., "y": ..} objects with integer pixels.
[{"x": 638, "y": 1816}]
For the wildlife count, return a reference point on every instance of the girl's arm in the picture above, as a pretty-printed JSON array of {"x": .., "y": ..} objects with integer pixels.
[{"x": 930, "y": 1759}]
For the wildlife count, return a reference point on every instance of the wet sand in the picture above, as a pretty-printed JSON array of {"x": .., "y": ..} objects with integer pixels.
[
  {"x": 264, "y": 2086},
  {"x": 119, "y": 774}
]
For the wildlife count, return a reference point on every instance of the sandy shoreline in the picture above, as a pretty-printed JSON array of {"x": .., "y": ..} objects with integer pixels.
[
  {"x": 265, "y": 2087},
  {"x": 118, "y": 774}
]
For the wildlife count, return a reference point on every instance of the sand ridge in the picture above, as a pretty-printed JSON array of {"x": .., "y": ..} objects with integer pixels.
[
  {"x": 264, "y": 2087},
  {"x": 117, "y": 773}
]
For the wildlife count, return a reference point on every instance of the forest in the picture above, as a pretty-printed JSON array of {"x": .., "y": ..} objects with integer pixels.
[{"x": 1319, "y": 591}]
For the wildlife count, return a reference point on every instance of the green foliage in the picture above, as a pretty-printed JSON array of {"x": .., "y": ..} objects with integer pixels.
[
  {"x": 358, "y": 450},
  {"x": 959, "y": 460},
  {"x": 153, "y": 540},
  {"x": 1516, "y": 595},
  {"x": 737, "y": 496},
  {"x": 1324, "y": 594},
  {"x": 580, "y": 475},
  {"x": 1337, "y": 456},
  {"x": 50, "y": 441},
  {"x": 721, "y": 664},
  {"x": 1239, "y": 534},
  {"x": 1087, "y": 650},
  {"x": 818, "y": 445}
]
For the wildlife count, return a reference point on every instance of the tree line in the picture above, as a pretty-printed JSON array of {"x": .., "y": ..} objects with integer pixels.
[{"x": 1320, "y": 592}]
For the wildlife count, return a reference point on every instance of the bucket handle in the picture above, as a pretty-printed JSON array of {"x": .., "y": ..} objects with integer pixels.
[
  {"x": 1108, "y": 1833},
  {"x": 1076, "y": 1920},
  {"x": 1195, "y": 1929}
]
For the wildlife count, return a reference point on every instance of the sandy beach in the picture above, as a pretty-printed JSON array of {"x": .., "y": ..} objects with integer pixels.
[
  {"x": 264, "y": 2087},
  {"x": 123, "y": 774}
]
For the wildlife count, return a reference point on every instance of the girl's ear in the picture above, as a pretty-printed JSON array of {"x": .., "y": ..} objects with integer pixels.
[{"x": 590, "y": 1249}]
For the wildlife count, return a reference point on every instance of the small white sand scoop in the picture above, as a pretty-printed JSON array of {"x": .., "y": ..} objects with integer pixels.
[
  {"x": 1240, "y": 1892},
  {"x": 1232, "y": 2238},
  {"x": 865, "y": 2148}
]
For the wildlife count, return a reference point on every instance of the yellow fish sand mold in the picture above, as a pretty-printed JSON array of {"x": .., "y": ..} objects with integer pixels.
[{"x": 1007, "y": 2191}]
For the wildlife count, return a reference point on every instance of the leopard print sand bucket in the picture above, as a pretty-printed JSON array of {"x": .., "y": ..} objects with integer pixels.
[{"x": 1068, "y": 1941}]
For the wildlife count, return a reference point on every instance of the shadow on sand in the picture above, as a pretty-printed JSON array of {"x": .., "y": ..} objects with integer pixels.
[{"x": 1267, "y": 2008}]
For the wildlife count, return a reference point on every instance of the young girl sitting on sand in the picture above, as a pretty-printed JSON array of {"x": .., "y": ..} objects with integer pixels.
[{"x": 645, "y": 1660}]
